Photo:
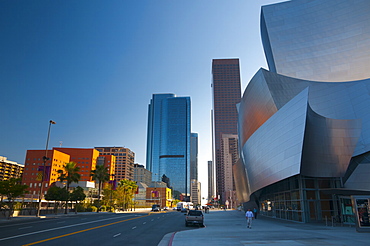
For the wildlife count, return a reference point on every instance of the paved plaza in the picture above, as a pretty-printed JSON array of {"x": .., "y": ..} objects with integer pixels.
[{"x": 230, "y": 228}]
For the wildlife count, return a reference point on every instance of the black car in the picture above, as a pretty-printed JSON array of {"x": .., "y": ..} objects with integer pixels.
[{"x": 156, "y": 208}]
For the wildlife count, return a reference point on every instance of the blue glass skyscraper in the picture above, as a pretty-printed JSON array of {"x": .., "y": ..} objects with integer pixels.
[{"x": 168, "y": 140}]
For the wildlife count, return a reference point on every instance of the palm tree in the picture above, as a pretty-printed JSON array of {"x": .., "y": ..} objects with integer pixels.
[
  {"x": 69, "y": 174},
  {"x": 101, "y": 175},
  {"x": 126, "y": 190}
]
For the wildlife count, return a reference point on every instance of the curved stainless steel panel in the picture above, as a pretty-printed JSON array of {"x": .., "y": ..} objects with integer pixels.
[
  {"x": 274, "y": 151},
  {"x": 328, "y": 133},
  {"x": 318, "y": 40},
  {"x": 329, "y": 145}
]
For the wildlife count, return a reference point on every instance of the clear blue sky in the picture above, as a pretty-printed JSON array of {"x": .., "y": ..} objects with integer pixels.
[{"x": 92, "y": 66}]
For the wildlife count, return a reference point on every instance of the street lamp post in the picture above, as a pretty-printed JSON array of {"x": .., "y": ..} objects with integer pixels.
[
  {"x": 45, "y": 158},
  {"x": 111, "y": 189}
]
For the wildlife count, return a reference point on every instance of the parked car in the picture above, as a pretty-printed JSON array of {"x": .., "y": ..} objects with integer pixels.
[
  {"x": 184, "y": 210},
  {"x": 194, "y": 217},
  {"x": 156, "y": 208}
]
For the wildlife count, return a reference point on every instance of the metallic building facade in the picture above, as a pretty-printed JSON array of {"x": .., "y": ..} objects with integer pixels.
[
  {"x": 304, "y": 126},
  {"x": 168, "y": 140},
  {"x": 317, "y": 40},
  {"x": 226, "y": 94}
]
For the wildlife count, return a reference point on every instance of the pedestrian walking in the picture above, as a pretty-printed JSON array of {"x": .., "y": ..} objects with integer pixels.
[
  {"x": 255, "y": 211},
  {"x": 249, "y": 216}
]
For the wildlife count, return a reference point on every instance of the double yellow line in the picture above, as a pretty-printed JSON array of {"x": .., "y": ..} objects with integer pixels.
[{"x": 89, "y": 229}]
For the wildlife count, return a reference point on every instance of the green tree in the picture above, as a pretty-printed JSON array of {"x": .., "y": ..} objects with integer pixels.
[
  {"x": 176, "y": 194},
  {"x": 101, "y": 175},
  {"x": 69, "y": 174},
  {"x": 125, "y": 193},
  {"x": 12, "y": 188},
  {"x": 108, "y": 196},
  {"x": 77, "y": 195},
  {"x": 56, "y": 194},
  {"x": 175, "y": 202}
]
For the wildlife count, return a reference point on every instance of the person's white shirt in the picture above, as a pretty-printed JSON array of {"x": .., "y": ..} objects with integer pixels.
[{"x": 249, "y": 214}]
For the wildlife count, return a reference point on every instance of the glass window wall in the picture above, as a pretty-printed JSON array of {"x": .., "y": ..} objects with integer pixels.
[{"x": 309, "y": 202}]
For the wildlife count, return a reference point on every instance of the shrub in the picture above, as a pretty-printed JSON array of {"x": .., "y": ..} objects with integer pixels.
[
  {"x": 17, "y": 206},
  {"x": 80, "y": 207}
]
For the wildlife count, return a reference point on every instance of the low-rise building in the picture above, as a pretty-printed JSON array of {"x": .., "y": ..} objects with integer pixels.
[
  {"x": 10, "y": 169},
  {"x": 159, "y": 195},
  {"x": 140, "y": 197},
  {"x": 33, "y": 170}
]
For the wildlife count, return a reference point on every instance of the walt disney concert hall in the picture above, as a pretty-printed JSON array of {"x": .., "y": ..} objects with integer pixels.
[{"x": 304, "y": 124}]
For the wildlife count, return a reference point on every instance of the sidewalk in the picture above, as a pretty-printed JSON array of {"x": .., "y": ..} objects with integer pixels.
[{"x": 230, "y": 228}]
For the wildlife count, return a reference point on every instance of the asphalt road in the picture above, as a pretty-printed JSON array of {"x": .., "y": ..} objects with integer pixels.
[{"x": 100, "y": 229}]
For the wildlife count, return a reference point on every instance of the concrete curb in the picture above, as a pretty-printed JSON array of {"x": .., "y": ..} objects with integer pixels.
[{"x": 167, "y": 239}]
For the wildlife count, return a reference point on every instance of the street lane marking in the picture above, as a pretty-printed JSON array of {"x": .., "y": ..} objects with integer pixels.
[
  {"x": 53, "y": 229},
  {"x": 18, "y": 224},
  {"x": 134, "y": 227},
  {"x": 25, "y": 227},
  {"x": 117, "y": 235},
  {"x": 144, "y": 223},
  {"x": 89, "y": 229}
]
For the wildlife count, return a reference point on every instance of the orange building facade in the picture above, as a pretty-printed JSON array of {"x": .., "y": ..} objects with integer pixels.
[
  {"x": 109, "y": 161},
  {"x": 85, "y": 159},
  {"x": 33, "y": 169}
]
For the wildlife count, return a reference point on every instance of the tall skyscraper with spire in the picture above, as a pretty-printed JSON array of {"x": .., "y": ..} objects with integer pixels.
[
  {"x": 226, "y": 94},
  {"x": 168, "y": 140}
]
